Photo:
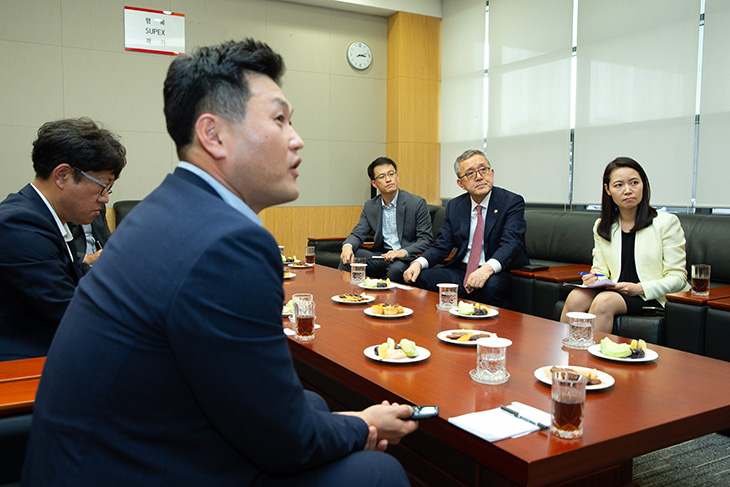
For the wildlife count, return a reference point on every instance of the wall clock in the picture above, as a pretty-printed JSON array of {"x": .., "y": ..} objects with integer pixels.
[{"x": 359, "y": 55}]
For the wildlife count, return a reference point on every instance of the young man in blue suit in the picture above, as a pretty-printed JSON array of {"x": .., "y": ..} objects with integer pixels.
[
  {"x": 398, "y": 220},
  {"x": 171, "y": 366},
  {"x": 76, "y": 163},
  {"x": 480, "y": 265}
]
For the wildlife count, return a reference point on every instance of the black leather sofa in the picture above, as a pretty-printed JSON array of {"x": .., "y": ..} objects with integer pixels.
[
  {"x": 557, "y": 237},
  {"x": 327, "y": 250},
  {"x": 122, "y": 208},
  {"x": 14, "y": 432}
]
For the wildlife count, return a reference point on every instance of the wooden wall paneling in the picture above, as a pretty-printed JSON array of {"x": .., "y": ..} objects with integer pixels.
[
  {"x": 414, "y": 46},
  {"x": 293, "y": 225},
  {"x": 416, "y": 162},
  {"x": 413, "y": 102}
]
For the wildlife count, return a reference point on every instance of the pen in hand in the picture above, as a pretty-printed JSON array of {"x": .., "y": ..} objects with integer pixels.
[{"x": 586, "y": 273}]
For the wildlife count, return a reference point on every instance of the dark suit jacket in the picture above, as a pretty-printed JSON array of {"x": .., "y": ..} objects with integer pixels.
[
  {"x": 504, "y": 231},
  {"x": 37, "y": 276},
  {"x": 99, "y": 229},
  {"x": 412, "y": 220},
  {"x": 171, "y": 367}
]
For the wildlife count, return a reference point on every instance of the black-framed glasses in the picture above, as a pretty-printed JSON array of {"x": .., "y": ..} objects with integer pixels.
[
  {"x": 388, "y": 174},
  {"x": 472, "y": 174},
  {"x": 104, "y": 186}
]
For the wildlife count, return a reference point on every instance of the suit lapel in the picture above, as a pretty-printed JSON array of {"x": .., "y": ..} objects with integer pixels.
[
  {"x": 378, "y": 241},
  {"x": 464, "y": 212},
  {"x": 490, "y": 217},
  {"x": 63, "y": 247},
  {"x": 400, "y": 215}
]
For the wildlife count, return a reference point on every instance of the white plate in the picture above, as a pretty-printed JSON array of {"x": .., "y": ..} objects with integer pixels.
[
  {"x": 286, "y": 311},
  {"x": 369, "y": 299},
  {"x": 492, "y": 313},
  {"x": 363, "y": 286},
  {"x": 423, "y": 354},
  {"x": 300, "y": 266},
  {"x": 543, "y": 375},
  {"x": 472, "y": 343},
  {"x": 290, "y": 332},
  {"x": 649, "y": 355},
  {"x": 406, "y": 312},
  {"x": 290, "y": 276}
]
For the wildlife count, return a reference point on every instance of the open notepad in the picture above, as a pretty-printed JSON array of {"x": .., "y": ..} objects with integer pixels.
[
  {"x": 496, "y": 424},
  {"x": 598, "y": 284}
]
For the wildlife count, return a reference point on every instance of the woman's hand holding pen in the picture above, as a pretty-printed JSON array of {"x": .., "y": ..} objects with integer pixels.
[{"x": 590, "y": 277}]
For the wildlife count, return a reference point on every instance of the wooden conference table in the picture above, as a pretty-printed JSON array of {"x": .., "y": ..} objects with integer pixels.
[{"x": 652, "y": 405}]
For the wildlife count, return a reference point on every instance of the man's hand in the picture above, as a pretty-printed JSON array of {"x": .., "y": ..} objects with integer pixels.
[
  {"x": 628, "y": 288},
  {"x": 346, "y": 256},
  {"x": 91, "y": 258},
  {"x": 411, "y": 274},
  {"x": 479, "y": 277},
  {"x": 372, "y": 443},
  {"x": 390, "y": 422},
  {"x": 391, "y": 255}
]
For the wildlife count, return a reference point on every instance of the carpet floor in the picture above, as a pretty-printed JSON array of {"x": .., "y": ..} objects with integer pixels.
[{"x": 702, "y": 462}]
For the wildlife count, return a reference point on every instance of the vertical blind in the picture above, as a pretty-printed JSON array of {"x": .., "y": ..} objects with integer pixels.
[
  {"x": 528, "y": 134},
  {"x": 713, "y": 160},
  {"x": 635, "y": 95}
]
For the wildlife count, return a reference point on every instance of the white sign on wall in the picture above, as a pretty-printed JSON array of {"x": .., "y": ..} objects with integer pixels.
[{"x": 156, "y": 31}]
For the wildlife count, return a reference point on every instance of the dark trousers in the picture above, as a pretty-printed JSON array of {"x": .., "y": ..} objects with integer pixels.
[
  {"x": 379, "y": 268},
  {"x": 358, "y": 469},
  {"x": 495, "y": 292}
]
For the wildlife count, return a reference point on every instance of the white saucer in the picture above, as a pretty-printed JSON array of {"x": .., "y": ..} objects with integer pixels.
[
  {"x": 406, "y": 312},
  {"x": 423, "y": 354},
  {"x": 492, "y": 313}
]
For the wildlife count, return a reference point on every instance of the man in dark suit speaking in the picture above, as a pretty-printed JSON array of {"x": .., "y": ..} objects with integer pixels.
[
  {"x": 76, "y": 163},
  {"x": 171, "y": 366},
  {"x": 398, "y": 220},
  {"x": 487, "y": 227}
]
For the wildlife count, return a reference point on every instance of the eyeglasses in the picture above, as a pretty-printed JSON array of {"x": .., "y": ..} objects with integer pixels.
[
  {"x": 388, "y": 174},
  {"x": 472, "y": 174},
  {"x": 104, "y": 187}
]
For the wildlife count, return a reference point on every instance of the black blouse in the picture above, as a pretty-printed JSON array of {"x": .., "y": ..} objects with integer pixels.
[{"x": 628, "y": 260}]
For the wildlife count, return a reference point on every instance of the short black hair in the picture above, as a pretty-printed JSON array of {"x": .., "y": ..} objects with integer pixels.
[
  {"x": 609, "y": 211},
  {"x": 78, "y": 142},
  {"x": 213, "y": 79},
  {"x": 380, "y": 161}
]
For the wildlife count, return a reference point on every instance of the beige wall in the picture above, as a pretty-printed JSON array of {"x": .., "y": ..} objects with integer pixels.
[{"x": 66, "y": 58}]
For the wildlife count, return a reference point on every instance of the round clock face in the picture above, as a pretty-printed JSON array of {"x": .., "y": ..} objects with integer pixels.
[{"x": 359, "y": 55}]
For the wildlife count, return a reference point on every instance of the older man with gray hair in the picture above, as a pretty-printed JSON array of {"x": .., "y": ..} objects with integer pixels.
[{"x": 487, "y": 227}]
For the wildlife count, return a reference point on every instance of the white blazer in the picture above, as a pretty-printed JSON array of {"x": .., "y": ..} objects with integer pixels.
[{"x": 659, "y": 253}]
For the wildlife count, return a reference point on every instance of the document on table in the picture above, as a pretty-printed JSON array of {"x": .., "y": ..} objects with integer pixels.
[
  {"x": 497, "y": 424},
  {"x": 597, "y": 284}
]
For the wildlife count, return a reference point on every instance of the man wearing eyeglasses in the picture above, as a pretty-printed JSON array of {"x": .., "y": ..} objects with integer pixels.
[
  {"x": 76, "y": 163},
  {"x": 398, "y": 220},
  {"x": 487, "y": 227},
  {"x": 170, "y": 366}
]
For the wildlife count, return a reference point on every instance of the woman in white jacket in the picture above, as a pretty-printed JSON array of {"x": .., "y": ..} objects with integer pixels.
[{"x": 637, "y": 247}]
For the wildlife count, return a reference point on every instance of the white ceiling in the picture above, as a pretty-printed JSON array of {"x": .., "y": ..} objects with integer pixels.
[{"x": 382, "y": 8}]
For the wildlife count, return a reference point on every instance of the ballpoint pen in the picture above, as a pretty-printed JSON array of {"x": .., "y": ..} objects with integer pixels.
[
  {"x": 519, "y": 416},
  {"x": 586, "y": 273}
]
